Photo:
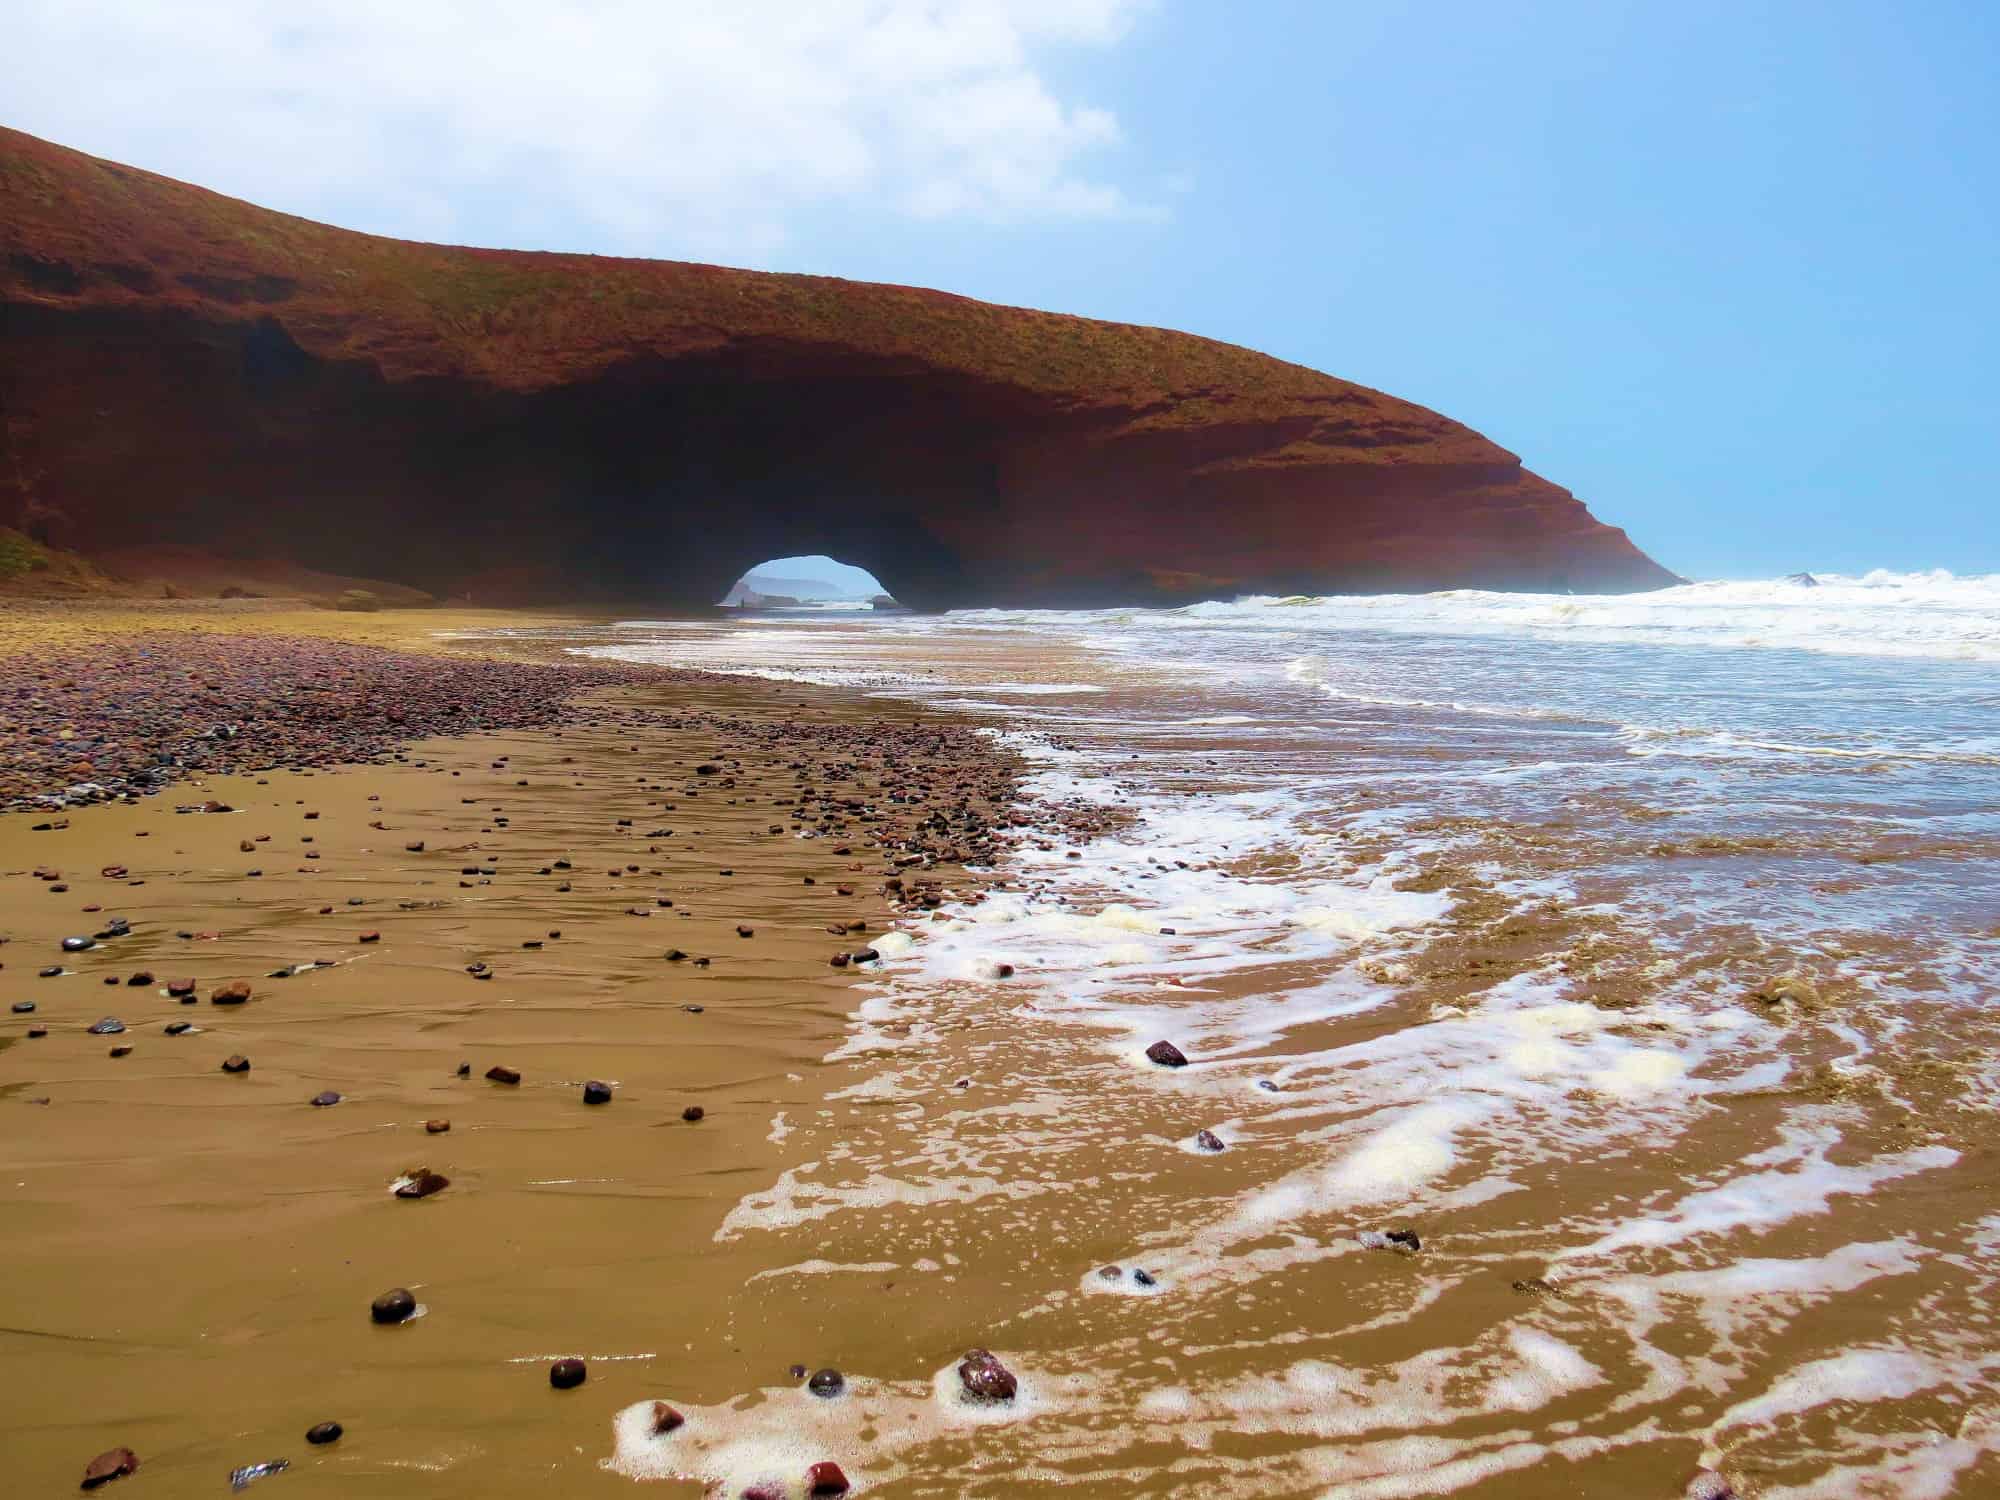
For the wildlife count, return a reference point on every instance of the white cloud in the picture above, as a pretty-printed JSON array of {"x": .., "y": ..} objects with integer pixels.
[{"x": 678, "y": 127}]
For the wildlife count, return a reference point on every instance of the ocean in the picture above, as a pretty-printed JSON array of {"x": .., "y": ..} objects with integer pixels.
[{"x": 1632, "y": 961}]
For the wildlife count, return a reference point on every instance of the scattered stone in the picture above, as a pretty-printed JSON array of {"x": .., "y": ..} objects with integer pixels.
[
  {"x": 436, "y": 1127},
  {"x": 422, "y": 1183},
  {"x": 1145, "y": 1278},
  {"x": 596, "y": 1092},
  {"x": 665, "y": 1419},
  {"x": 985, "y": 1378},
  {"x": 109, "y": 1026},
  {"x": 1166, "y": 1055},
  {"x": 112, "y": 1463},
  {"x": 22, "y": 1007},
  {"x": 743, "y": 931},
  {"x": 180, "y": 989},
  {"x": 369, "y": 937},
  {"x": 827, "y": 1384},
  {"x": 567, "y": 1374},
  {"x": 693, "y": 1113},
  {"x": 395, "y": 1306},
  {"x": 503, "y": 1075},
  {"x": 235, "y": 992},
  {"x": 325, "y": 1432},
  {"x": 325, "y": 1099},
  {"x": 236, "y": 1063},
  {"x": 179, "y": 1028},
  {"x": 77, "y": 944},
  {"x": 122, "y": 1050},
  {"x": 1207, "y": 1140}
]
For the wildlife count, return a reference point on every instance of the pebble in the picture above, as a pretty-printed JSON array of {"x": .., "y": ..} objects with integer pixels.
[
  {"x": 595, "y": 1092},
  {"x": 77, "y": 944},
  {"x": 109, "y": 1026},
  {"x": 236, "y": 1063},
  {"x": 503, "y": 1075},
  {"x": 665, "y": 1419},
  {"x": 179, "y": 1028},
  {"x": 140, "y": 980},
  {"x": 1145, "y": 1278},
  {"x": 22, "y": 1007},
  {"x": 1208, "y": 1140},
  {"x": 1166, "y": 1055},
  {"x": 693, "y": 1113},
  {"x": 985, "y": 1378},
  {"x": 422, "y": 1184},
  {"x": 122, "y": 1050},
  {"x": 827, "y": 1384},
  {"x": 325, "y": 1098},
  {"x": 325, "y": 1432},
  {"x": 567, "y": 1374},
  {"x": 235, "y": 992},
  {"x": 394, "y": 1306},
  {"x": 436, "y": 1127},
  {"x": 112, "y": 1463},
  {"x": 825, "y": 1479}
]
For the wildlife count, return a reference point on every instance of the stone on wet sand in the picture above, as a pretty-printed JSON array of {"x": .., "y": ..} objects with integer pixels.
[
  {"x": 112, "y": 1463},
  {"x": 324, "y": 1099},
  {"x": 825, "y": 1479},
  {"x": 436, "y": 1127},
  {"x": 1207, "y": 1140},
  {"x": 422, "y": 1183},
  {"x": 693, "y": 1113},
  {"x": 324, "y": 1432},
  {"x": 827, "y": 1383},
  {"x": 394, "y": 1306},
  {"x": 596, "y": 1092},
  {"x": 500, "y": 1074},
  {"x": 665, "y": 1419},
  {"x": 235, "y": 992},
  {"x": 109, "y": 1026},
  {"x": 567, "y": 1374},
  {"x": 984, "y": 1378},
  {"x": 236, "y": 1063},
  {"x": 1166, "y": 1055}
]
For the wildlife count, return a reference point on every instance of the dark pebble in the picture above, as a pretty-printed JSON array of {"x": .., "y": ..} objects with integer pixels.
[
  {"x": 567, "y": 1374},
  {"x": 237, "y": 1063},
  {"x": 423, "y": 1184},
  {"x": 665, "y": 1419},
  {"x": 22, "y": 1007},
  {"x": 824, "y": 1479},
  {"x": 1208, "y": 1140},
  {"x": 1145, "y": 1278},
  {"x": 985, "y": 1378},
  {"x": 693, "y": 1113},
  {"x": 827, "y": 1383},
  {"x": 393, "y": 1306},
  {"x": 325, "y": 1432},
  {"x": 595, "y": 1092},
  {"x": 1404, "y": 1239},
  {"x": 123, "y": 1050},
  {"x": 1166, "y": 1055},
  {"x": 140, "y": 980},
  {"x": 1110, "y": 1273},
  {"x": 436, "y": 1127},
  {"x": 109, "y": 1026},
  {"x": 77, "y": 944},
  {"x": 798, "y": 1372},
  {"x": 113, "y": 1463},
  {"x": 236, "y": 992},
  {"x": 503, "y": 1075},
  {"x": 179, "y": 1028},
  {"x": 323, "y": 1099}
]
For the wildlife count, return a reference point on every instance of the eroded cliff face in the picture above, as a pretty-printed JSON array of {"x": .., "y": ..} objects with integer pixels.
[{"x": 176, "y": 366}]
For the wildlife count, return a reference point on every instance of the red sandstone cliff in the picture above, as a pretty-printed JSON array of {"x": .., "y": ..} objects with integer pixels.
[{"x": 180, "y": 367}]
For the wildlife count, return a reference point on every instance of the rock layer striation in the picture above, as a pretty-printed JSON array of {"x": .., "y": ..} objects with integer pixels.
[{"x": 182, "y": 368}]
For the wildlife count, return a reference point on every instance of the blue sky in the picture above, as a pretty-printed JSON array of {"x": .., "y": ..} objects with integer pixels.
[{"x": 1730, "y": 272}]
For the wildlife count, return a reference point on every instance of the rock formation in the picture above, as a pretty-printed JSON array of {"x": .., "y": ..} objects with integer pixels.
[{"x": 181, "y": 368}]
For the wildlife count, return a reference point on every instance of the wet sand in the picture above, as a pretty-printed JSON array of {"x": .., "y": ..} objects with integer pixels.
[{"x": 191, "y": 1253}]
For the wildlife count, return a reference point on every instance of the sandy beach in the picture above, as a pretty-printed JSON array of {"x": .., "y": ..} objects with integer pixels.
[{"x": 648, "y": 896}]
